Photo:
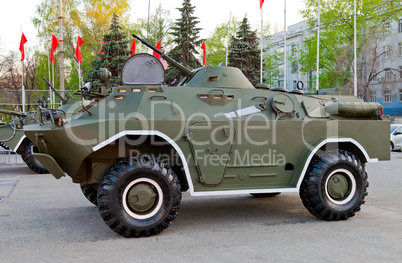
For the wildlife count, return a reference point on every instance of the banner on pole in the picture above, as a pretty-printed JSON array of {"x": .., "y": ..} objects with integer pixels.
[
  {"x": 204, "y": 61},
  {"x": 77, "y": 50},
  {"x": 156, "y": 54},
  {"x": 23, "y": 41},
  {"x": 55, "y": 43},
  {"x": 132, "y": 49}
]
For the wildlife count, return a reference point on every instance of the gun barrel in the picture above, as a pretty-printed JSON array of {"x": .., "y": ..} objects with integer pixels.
[
  {"x": 15, "y": 113},
  {"x": 179, "y": 66},
  {"x": 63, "y": 100}
]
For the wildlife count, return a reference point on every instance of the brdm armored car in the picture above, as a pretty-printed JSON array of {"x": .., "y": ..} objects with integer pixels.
[
  {"x": 135, "y": 148},
  {"x": 12, "y": 138}
]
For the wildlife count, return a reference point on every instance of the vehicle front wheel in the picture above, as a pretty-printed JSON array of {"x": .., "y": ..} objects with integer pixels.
[
  {"x": 139, "y": 197},
  {"x": 32, "y": 162},
  {"x": 335, "y": 185},
  {"x": 391, "y": 147},
  {"x": 90, "y": 191}
]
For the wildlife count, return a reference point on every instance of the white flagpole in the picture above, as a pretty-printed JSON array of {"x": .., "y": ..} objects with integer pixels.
[
  {"x": 23, "y": 89},
  {"x": 50, "y": 89},
  {"x": 79, "y": 74},
  {"x": 261, "y": 43},
  {"x": 22, "y": 82},
  {"x": 284, "y": 59},
  {"x": 54, "y": 101},
  {"x": 227, "y": 39},
  {"x": 355, "y": 50},
  {"x": 318, "y": 48}
]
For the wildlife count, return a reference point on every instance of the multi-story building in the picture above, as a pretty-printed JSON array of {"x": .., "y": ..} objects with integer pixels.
[{"x": 385, "y": 88}]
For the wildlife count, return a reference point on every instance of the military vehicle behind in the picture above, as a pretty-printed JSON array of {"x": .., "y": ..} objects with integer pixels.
[
  {"x": 12, "y": 138},
  {"x": 135, "y": 148}
]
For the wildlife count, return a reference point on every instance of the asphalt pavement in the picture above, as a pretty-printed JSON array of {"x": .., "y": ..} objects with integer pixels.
[{"x": 49, "y": 220}]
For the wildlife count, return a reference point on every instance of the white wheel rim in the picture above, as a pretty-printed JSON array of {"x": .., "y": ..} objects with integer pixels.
[
  {"x": 156, "y": 208},
  {"x": 350, "y": 178}
]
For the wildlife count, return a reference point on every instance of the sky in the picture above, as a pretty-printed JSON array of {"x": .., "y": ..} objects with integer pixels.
[{"x": 15, "y": 15}]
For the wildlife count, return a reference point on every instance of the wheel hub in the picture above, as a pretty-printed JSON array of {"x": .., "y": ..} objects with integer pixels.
[
  {"x": 141, "y": 197},
  {"x": 338, "y": 186}
]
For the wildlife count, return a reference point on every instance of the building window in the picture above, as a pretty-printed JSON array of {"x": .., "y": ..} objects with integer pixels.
[
  {"x": 400, "y": 25},
  {"x": 373, "y": 96},
  {"x": 400, "y": 95},
  {"x": 294, "y": 50},
  {"x": 387, "y": 28},
  {"x": 295, "y": 68},
  {"x": 281, "y": 70},
  {"x": 388, "y": 75},
  {"x": 387, "y": 51},
  {"x": 400, "y": 49},
  {"x": 400, "y": 72},
  {"x": 387, "y": 96}
]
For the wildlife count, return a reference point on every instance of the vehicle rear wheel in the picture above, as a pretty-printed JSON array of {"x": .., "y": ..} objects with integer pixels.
[
  {"x": 32, "y": 162},
  {"x": 139, "y": 197},
  {"x": 391, "y": 147},
  {"x": 90, "y": 191},
  {"x": 264, "y": 195},
  {"x": 5, "y": 147},
  {"x": 335, "y": 185}
]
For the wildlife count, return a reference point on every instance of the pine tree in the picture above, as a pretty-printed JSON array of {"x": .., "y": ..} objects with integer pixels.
[
  {"x": 244, "y": 53},
  {"x": 113, "y": 54},
  {"x": 186, "y": 39}
]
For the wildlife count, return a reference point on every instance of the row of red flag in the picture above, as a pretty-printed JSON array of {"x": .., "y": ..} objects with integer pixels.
[{"x": 55, "y": 43}]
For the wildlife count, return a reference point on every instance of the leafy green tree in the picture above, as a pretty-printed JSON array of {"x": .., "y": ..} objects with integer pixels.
[
  {"x": 244, "y": 52},
  {"x": 115, "y": 53},
  {"x": 87, "y": 18},
  {"x": 158, "y": 28},
  {"x": 336, "y": 39},
  {"x": 186, "y": 40},
  {"x": 271, "y": 67},
  {"x": 216, "y": 43}
]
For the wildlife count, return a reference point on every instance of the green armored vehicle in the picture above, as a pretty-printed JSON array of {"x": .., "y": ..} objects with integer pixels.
[
  {"x": 12, "y": 138},
  {"x": 136, "y": 147}
]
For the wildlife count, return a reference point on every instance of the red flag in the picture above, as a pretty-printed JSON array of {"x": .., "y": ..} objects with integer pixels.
[
  {"x": 77, "y": 49},
  {"x": 132, "y": 48},
  {"x": 156, "y": 54},
  {"x": 55, "y": 43},
  {"x": 204, "y": 60},
  {"x": 261, "y": 2},
  {"x": 104, "y": 42},
  {"x": 23, "y": 41}
]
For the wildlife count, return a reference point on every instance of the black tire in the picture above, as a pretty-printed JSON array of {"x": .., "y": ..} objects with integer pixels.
[
  {"x": 264, "y": 195},
  {"x": 139, "y": 197},
  {"x": 335, "y": 186},
  {"x": 391, "y": 147},
  {"x": 5, "y": 147},
  {"x": 32, "y": 162},
  {"x": 90, "y": 191}
]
